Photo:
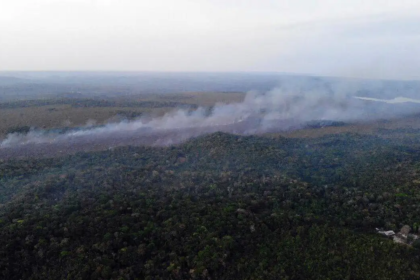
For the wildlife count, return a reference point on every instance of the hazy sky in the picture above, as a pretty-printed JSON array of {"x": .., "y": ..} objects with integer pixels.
[{"x": 363, "y": 38}]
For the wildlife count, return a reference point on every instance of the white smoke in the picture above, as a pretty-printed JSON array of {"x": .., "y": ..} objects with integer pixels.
[
  {"x": 288, "y": 107},
  {"x": 390, "y": 101}
]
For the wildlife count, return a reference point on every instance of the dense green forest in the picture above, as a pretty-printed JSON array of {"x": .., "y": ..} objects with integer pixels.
[{"x": 217, "y": 207}]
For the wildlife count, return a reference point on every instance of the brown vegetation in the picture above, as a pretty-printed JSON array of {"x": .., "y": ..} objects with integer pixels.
[{"x": 70, "y": 115}]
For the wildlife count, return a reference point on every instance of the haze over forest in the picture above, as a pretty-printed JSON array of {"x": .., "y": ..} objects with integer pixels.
[
  {"x": 271, "y": 103},
  {"x": 209, "y": 139}
]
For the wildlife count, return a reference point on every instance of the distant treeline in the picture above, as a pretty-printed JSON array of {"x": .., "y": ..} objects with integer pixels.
[{"x": 82, "y": 103}]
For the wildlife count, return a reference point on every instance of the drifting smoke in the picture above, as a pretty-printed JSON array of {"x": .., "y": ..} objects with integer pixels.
[
  {"x": 390, "y": 101},
  {"x": 280, "y": 109}
]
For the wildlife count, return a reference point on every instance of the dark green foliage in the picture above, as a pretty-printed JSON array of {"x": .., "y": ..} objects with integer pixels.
[
  {"x": 416, "y": 244},
  {"x": 218, "y": 207}
]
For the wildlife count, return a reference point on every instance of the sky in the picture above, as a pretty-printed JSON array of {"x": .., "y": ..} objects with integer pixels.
[{"x": 352, "y": 38}]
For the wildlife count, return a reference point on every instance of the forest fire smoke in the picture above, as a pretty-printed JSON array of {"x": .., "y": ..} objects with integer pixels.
[{"x": 277, "y": 110}]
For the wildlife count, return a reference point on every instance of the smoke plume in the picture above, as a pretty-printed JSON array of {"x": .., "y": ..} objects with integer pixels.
[{"x": 284, "y": 108}]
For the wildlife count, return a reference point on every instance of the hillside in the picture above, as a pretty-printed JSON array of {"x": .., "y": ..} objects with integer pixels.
[{"x": 217, "y": 207}]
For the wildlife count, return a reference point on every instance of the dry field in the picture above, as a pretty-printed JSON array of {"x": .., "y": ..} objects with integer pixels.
[
  {"x": 65, "y": 115},
  {"x": 368, "y": 128}
]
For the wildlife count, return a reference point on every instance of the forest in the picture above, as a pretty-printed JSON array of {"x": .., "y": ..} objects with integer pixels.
[
  {"x": 307, "y": 203},
  {"x": 209, "y": 140},
  {"x": 220, "y": 206}
]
